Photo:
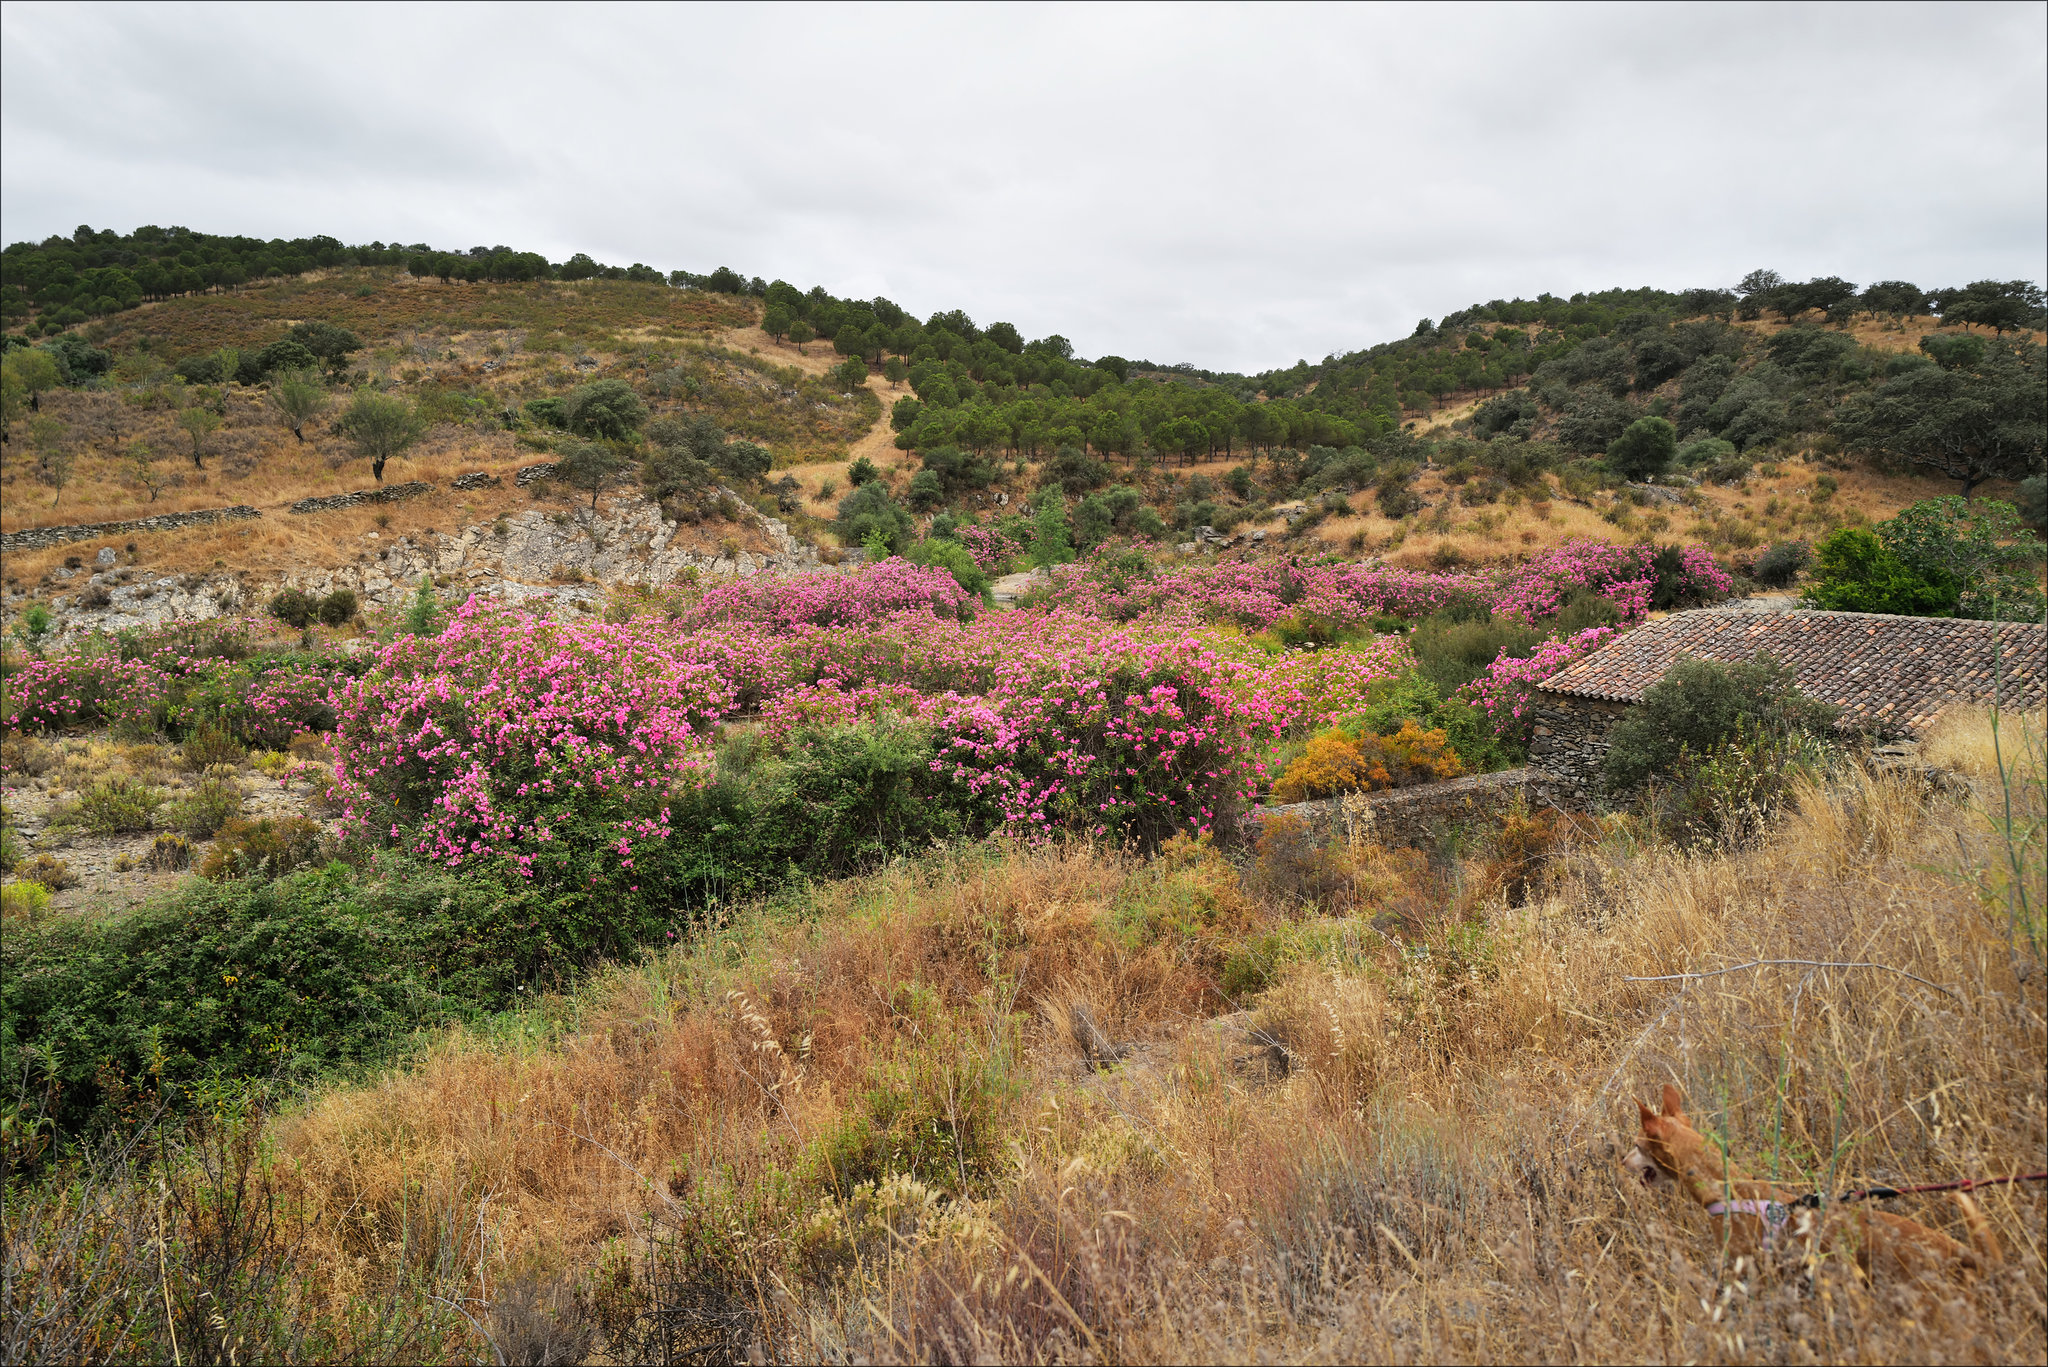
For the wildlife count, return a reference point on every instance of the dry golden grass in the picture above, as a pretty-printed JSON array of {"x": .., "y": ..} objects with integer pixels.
[{"x": 1396, "y": 1149}]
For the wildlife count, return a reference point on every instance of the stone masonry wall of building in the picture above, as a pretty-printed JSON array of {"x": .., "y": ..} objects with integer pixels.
[{"x": 1570, "y": 741}]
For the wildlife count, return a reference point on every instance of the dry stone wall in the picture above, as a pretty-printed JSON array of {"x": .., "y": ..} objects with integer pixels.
[
  {"x": 1413, "y": 816},
  {"x": 391, "y": 494},
  {"x": 37, "y": 538}
]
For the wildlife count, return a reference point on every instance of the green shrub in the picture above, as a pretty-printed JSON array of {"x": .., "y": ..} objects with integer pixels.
[
  {"x": 1701, "y": 704},
  {"x": 208, "y": 807},
  {"x": 1856, "y": 572},
  {"x": 12, "y": 850},
  {"x": 338, "y": 607},
  {"x": 1777, "y": 567},
  {"x": 257, "y": 979},
  {"x": 208, "y": 745},
  {"x": 1452, "y": 653},
  {"x": 117, "y": 804},
  {"x": 849, "y": 797},
  {"x": 1729, "y": 793},
  {"x": 26, "y": 900},
  {"x": 295, "y": 608},
  {"x": 869, "y": 513},
  {"x": 262, "y": 847},
  {"x": 951, "y": 556}
]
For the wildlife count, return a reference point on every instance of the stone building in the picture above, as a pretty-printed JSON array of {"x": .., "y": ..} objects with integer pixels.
[{"x": 1891, "y": 676}]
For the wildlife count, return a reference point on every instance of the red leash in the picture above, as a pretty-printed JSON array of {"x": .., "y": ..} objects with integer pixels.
[{"x": 1962, "y": 1184}]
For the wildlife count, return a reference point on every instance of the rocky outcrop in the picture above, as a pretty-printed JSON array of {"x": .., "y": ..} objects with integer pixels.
[
  {"x": 37, "y": 538},
  {"x": 391, "y": 494},
  {"x": 477, "y": 480},
  {"x": 542, "y": 558},
  {"x": 528, "y": 474}
]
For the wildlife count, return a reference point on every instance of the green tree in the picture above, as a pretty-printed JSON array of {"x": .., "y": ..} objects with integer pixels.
[
  {"x": 326, "y": 341},
  {"x": 299, "y": 397},
  {"x": 55, "y": 469},
  {"x": 1969, "y": 425},
  {"x": 895, "y": 371},
  {"x": 1050, "y": 542},
  {"x": 590, "y": 465},
  {"x": 861, "y": 471},
  {"x": 1645, "y": 449},
  {"x": 380, "y": 426},
  {"x": 800, "y": 332},
  {"x": 1895, "y": 299},
  {"x": 144, "y": 470},
  {"x": 606, "y": 409},
  {"x": 2001, "y": 305},
  {"x": 870, "y": 513},
  {"x": 26, "y": 374},
  {"x": 775, "y": 321},
  {"x": 198, "y": 423},
  {"x": 850, "y": 374},
  {"x": 284, "y": 355},
  {"x": 423, "y": 615},
  {"x": 1982, "y": 546},
  {"x": 1856, "y": 572}
]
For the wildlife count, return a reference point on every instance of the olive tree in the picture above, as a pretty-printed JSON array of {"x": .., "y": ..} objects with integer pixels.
[
  {"x": 380, "y": 426},
  {"x": 298, "y": 397}
]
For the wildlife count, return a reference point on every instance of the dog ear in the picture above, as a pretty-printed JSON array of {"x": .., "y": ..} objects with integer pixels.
[
  {"x": 1674, "y": 1103},
  {"x": 1649, "y": 1118}
]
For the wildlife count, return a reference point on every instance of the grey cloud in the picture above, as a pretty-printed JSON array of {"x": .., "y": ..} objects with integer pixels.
[{"x": 1238, "y": 187}]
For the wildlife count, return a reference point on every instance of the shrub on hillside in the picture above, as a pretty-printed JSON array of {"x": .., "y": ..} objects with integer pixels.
[
  {"x": 261, "y": 847},
  {"x": 1701, "y": 704},
  {"x": 1336, "y": 762},
  {"x": 1777, "y": 567},
  {"x": 262, "y": 978}
]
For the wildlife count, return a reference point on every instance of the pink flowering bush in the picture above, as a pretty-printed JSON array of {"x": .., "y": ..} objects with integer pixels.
[
  {"x": 1135, "y": 738},
  {"x": 825, "y": 598},
  {"x": 1504, "y": 692},
  {"x": 994, "y": 553},
  {"x": 482, "y": 739},
  {"x": 82, "y": 690}
]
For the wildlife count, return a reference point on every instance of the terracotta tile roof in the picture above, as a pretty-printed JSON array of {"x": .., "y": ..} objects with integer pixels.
[{"x": 1883, "y": 672}]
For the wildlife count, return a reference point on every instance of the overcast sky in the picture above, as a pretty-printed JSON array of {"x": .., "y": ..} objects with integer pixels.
[{"x": 1234, "y": 187}]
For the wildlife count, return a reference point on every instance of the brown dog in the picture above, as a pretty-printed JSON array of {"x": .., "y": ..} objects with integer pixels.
[{"x": 1755, "y": 1217}]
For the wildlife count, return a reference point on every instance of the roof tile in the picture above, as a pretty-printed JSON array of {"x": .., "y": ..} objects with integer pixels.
[{"x": 1874, "y": 667}]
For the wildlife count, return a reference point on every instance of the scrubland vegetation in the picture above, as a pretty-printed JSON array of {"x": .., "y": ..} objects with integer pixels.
[
  {"x": 836, "y": 967},
  {"x": 831, "y": 966}
]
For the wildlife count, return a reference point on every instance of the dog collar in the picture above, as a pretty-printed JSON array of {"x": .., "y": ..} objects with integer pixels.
[{"x": 1774, "y": 1215}]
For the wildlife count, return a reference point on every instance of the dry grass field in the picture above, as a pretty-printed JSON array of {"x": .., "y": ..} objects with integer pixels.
[{"x": 1050, "y": 1104}]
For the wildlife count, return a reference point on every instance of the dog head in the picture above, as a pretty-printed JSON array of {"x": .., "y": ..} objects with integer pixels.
[{"x": 1668, "y": 1147}]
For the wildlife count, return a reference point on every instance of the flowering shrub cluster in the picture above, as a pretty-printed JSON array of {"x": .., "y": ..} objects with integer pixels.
[
  {"x": 1256, "y": 594},
  {"x": 1503, "y": 692},
  {"x": 480, "y": 739},
  {"x": 81, "y": 690},
  {"x": 993, "y": 551},
  {"x": 1130, "y": 706},
  {"x": 824, "y": 599}
]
